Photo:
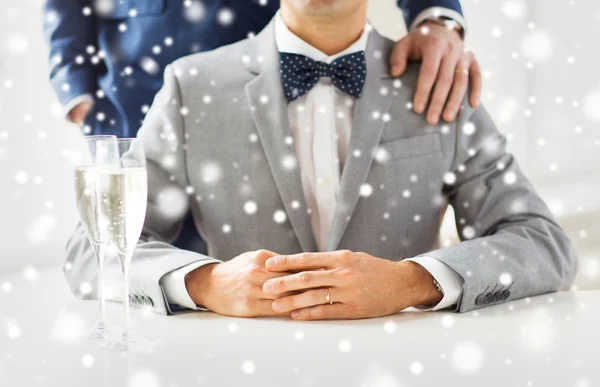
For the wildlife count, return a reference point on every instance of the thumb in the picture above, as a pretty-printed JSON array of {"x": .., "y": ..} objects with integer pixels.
[{"x": 400, "y": 55}]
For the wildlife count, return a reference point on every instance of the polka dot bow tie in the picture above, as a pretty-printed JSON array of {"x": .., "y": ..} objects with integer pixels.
[{"x": 299, "y": 74}]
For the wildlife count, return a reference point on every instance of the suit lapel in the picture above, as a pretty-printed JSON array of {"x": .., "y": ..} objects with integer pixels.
[
  {"x": 367, "y": 126},
  {"x": 269, "y": 107}
]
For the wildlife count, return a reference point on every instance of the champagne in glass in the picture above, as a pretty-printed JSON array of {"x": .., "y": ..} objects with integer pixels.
[
  {"x": 103, "y": 154},
  {"x": 125, "y": 192},
  {"x": 124, "y": 203},
  {"x": 87, "y": 196}
]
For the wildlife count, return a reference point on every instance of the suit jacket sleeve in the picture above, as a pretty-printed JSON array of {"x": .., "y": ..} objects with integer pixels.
[
  {"x": 511, "y": 245},
  {"x": 412, "y": 8},
  {"x": 69, "y": 33},
  {"x": 164, "y": 143}
]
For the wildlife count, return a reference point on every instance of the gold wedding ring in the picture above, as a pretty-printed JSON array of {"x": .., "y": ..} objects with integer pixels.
[
  {"x": 460, "y": 70},
  {"x": 328, "y": 297}
]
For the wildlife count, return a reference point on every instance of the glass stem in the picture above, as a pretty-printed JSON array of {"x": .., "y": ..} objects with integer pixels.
[
  {"x": 127, "y": 324},
  {"x": 100, "y": 250}
]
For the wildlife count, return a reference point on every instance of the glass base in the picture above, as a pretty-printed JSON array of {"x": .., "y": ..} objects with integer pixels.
[
  {"x": 119, "y": 342},
  {"x": 98, "y": 331}
]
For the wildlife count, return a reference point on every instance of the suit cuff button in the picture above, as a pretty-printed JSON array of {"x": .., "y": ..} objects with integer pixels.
[
  {"x": 497, "y": 296},
  {"x": 480, "y": 300}
]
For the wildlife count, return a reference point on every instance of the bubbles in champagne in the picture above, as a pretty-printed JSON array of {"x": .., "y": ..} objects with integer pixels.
[{"x": 124, "y": 196}]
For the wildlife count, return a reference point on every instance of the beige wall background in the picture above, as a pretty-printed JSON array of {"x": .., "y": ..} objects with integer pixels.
[{"x": 540, "y": 61}]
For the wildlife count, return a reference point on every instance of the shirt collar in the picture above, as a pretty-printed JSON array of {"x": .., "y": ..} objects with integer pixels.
[{"x": 289, "y": 42}]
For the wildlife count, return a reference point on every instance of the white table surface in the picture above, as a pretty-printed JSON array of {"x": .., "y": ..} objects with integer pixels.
[{"x": 549, "y": 340}]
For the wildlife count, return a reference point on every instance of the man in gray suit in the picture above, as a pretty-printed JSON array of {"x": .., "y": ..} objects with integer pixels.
[{"x": 311, "y": 178}]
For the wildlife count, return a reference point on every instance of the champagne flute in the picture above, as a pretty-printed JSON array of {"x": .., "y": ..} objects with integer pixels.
[
  {"x": 103, "y": 154},
  {"x": 124, "y": 203}
]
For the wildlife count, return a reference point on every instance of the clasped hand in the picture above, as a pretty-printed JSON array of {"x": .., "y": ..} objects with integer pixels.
[{"x": 263, "y": 283}]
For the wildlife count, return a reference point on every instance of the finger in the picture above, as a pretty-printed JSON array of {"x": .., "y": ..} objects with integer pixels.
[
  {"x": 300, "y": 281},
  {"x": 262, "y": 255},
  {"x": 306, "y": 299},
  {"x": 459, "y": 89},
  {"x": 258, "y": 308},
  {"x": 442, "y": 88},
  {"x": 476, "y": 83},
  {"x": 427, "y": 76},
  {"x": 321, "y": 312},
  {"x": 273, "y": 297},
  {"x": 258, "y": 276},
  {"x": 303, "y": 261},
  {"x": 399, "y": 58},
  {"x": 257, "y": 292}
]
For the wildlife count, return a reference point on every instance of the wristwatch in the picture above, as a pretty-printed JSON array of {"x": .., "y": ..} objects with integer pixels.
[{"x": 449, "y": 23}]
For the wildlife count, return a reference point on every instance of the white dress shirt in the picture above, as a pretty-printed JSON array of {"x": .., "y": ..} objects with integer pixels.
[
  {"x": 435, "y": 12},
  {"x": 76, "y": 101},
  {"x": 321, "y": 123}
]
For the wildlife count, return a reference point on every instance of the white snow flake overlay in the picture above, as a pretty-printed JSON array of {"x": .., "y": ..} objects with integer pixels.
[
  {"x": 366, "y": 190},
  {"x": 250, "y": 207},
  {"x": 345, "y": 345},
  {"x": 416, "y": 367},
  {"x": 248, "y": 367},
  {"x": 279, "y": 216},
  {"x": 467, "y": 357},
  {"x": 211, "y": 173}
]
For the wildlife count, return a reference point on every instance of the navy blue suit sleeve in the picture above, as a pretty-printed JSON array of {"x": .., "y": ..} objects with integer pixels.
[
  {"x": 412, "y": 8},
  {"x": 69, "y": 32}
]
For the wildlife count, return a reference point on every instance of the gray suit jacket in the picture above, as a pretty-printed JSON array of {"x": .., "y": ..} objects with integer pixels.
[{"x": 197, "y": 137}]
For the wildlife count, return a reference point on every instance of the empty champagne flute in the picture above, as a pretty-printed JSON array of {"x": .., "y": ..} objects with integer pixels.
[
  {"x": 124, "y": 203},
  {"x": 103, "y": 154}
]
